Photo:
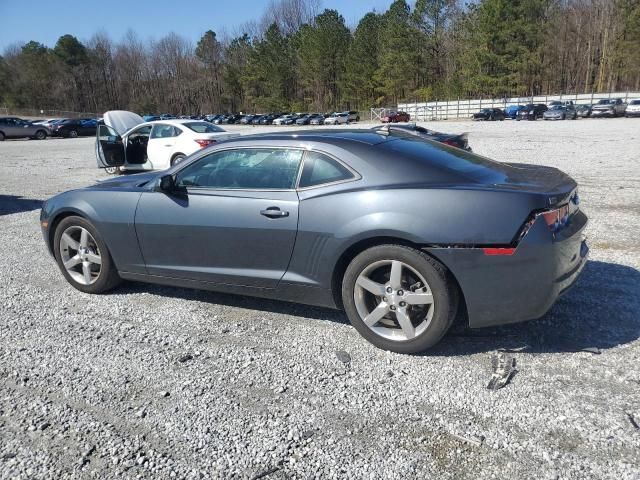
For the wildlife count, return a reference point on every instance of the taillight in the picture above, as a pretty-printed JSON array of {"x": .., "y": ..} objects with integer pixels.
[
  {"x": 205, "y": 143},
  {"x": 556, "y": 219}
]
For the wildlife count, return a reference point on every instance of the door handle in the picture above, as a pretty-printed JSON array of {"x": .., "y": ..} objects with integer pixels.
[{"x": 274, "y": 212}]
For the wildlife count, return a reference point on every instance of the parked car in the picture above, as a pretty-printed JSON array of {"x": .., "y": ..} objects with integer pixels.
[
  {"x": 512, "y": 111},
  {"x": 14, "y": 127},
  {"x": 246, "y": 120},
  {"x": 268, "y": 119},
  {"x": 489, "y": 114},
  {"x": 353, "y": 116},
  {"x": 633, "y": 109},
  {"x": 304, "y": 119},
  {"x": 560, "y": 112},
  {"x": 337, "y": 119},
  {"x": 317, "y": 120},
  {"x": 451, "y": 139},
  {"x": 499, "y": 242},
  {"x": 583, "y": 111},
  {"x": 394, "y": 117},
  {"x": 125, "y": 140},
  {"x": 74, "y": 127},
  {"x": 256, "y": 120},
  {"x": 562, "y": 103},
  {"x": 608, "y": 107},
  {"x": 289, "y": 119},
  {"x": 531, "y": 111}
]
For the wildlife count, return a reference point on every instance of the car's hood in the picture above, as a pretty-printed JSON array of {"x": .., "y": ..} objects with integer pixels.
[
  {"x": 603, "y": 107},
  {"x": 128, "y": 181},
  {"x": 121, "y": 120}
]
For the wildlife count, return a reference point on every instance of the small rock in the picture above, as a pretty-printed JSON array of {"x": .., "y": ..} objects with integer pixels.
[
  {"x": 164, "y": 394},
  {"x": 185, "y": 358},
  {"x": 343, "y": 356}
]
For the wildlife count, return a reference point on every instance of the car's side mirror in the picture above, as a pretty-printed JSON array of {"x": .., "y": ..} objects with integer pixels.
[{"x": 167, "y": 183}]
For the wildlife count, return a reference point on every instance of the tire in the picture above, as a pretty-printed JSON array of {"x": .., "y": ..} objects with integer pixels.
[
  {"x": 2, "y": 137},
  {"x": 106, "y": 278},
  {"x": 41, "y": 135},
  {"x": 177, "y": 158},
  {"x": 428, "y": 322},
  {"x": 73, "y": 134},
  {"x": 112, "y": 170}
]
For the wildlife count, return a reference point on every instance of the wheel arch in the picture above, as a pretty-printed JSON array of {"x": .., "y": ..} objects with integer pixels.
[
  {"x": 361, "y": 245},
  {"x": 55, "y": 221}
]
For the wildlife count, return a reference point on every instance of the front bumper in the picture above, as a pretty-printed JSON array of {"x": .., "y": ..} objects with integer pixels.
[
  {"x": 502, "y": 289},
  {"x": 603, "y": 113},
  {"x": 632, "y": 114}
]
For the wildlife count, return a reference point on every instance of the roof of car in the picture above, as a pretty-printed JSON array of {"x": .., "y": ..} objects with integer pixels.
[{"x": 369, "y": 137}]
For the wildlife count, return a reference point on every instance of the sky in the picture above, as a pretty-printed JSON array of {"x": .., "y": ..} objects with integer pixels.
[{"x": 45, "y": 21}]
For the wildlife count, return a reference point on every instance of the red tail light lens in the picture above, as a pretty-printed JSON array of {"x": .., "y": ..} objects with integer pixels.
[
  {"x": 556, "y": 219},
  {"x": 205, "y": 143}
]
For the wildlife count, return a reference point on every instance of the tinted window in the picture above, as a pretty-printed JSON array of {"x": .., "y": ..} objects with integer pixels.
[
  {"x": 202, "y": 127},
  {"x": 165, "y": 131},
  {"x": 319, "y": 169},
  {"x": 264, "y": 168},
  {"x": 455, "y": 159},
  {"x": 634, "y": 102}
]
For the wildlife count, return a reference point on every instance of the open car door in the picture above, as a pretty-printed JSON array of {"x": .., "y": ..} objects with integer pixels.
[{"x": 110, "y": 145}]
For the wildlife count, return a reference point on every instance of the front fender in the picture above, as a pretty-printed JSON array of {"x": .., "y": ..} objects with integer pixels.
[{"x": 111, "y": 212}]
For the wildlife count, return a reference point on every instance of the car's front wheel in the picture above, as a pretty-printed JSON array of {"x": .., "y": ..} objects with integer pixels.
[
  {"x": 399, "y": 298},
  {"x": 83, "y": 257},
  {"x": 41, "y": 135},
  {"x": 73, "y": 134}
]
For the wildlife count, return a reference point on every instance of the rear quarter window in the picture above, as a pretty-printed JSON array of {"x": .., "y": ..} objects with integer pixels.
[{"x": 319, "y": 169}]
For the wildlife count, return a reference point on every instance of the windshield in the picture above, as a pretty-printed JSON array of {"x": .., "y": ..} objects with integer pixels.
[
  {"x": 557, "y": 107},
  {"x": 634, "y": 102},
  {"x": 203, "y": 127},
  {"x": 605, "y": 102}
]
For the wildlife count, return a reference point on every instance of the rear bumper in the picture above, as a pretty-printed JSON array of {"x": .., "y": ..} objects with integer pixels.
[
  {"x": 632, "y": 114},
  {"x": 505, "y": 289}
]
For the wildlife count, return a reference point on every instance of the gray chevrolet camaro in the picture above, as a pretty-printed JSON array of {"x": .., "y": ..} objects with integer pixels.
[{"x": 399, "y": 231}]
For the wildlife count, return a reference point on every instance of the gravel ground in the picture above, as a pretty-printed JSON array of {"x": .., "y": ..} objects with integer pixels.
[{"x": 157, "y": 382}]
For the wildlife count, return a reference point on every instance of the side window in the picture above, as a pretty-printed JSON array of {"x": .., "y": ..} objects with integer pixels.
[
  {"x": 320, "y": 169},
  {"x": 161, "y": 130},
  {"x": 255, "y": 168},
  {"x": 107, "y": 134}
]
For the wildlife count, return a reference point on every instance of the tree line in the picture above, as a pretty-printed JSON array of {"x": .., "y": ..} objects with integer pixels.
[{"x": 299, "y": 58}]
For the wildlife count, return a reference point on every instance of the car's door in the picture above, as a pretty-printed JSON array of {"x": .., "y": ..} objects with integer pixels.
[
  {"x": 12, "y": 127},
  {"x": 233, "y": 219},
  {"x": 161, "y": 145},
  {"x": 110, "y": 150}
]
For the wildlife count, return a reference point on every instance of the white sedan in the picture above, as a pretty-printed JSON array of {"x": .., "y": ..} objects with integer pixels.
[
  {"x": 337, "y": 119},
  {"x": 126, "y": 139}
]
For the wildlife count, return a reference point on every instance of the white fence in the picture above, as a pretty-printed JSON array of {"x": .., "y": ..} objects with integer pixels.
[{"x": 465, "y": 108}]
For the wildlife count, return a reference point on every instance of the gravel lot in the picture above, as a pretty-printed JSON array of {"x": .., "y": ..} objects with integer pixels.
[{"x": 157, "y": 382}]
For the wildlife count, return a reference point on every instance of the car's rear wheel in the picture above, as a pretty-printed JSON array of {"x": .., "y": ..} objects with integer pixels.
[
  {"x": 83, "y": 257},
  {"x": 177, "y": 159},
  {"x": 73, "y": 134},
  {"x": 41, "y": 135},
  {"x": 1, "y": 137},
  {"x": 399, "y": 298}
]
